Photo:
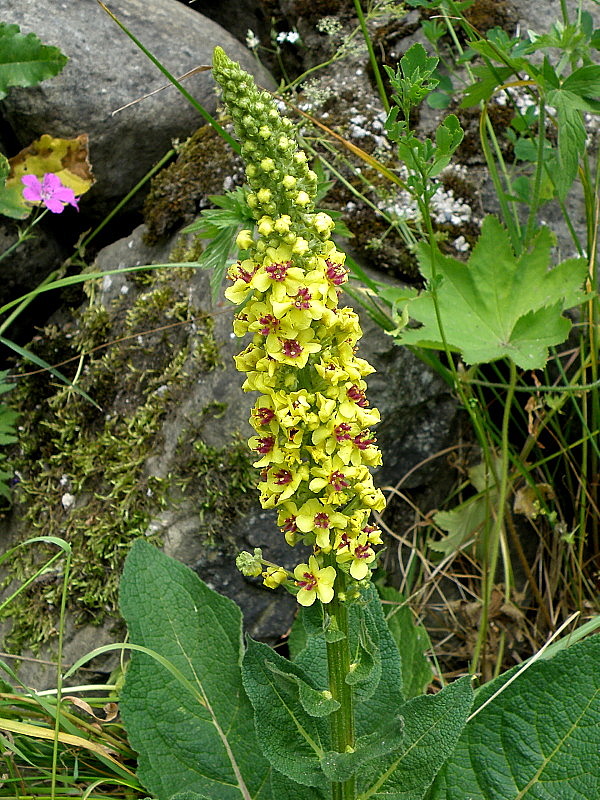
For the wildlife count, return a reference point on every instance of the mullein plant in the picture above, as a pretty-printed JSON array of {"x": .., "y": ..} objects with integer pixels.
[
  {"x": 314, "y": 446},
  {"x": 313, "y": 442}
]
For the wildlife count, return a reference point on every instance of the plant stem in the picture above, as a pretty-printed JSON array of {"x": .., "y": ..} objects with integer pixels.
[
  {"x": 338, "y": 667},
  {"x": 501, "y": 479},
  {"x": 373, "y": 60},
  {"x": 23, "y": 235}
]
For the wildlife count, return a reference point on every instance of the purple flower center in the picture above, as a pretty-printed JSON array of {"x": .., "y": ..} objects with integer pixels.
[
  {"x": 303, "y": 298},
  {"x": 336, "y": 273},
  {"x": 291, "y": 348},
  {"x": 277, "y": 272}
]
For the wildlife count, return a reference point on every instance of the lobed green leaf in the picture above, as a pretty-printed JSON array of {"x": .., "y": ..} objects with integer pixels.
[{"x": 24, "y": 60}]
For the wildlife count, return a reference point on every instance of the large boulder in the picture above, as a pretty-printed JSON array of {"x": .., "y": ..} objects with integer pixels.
[{"x": 107, "y": 71}]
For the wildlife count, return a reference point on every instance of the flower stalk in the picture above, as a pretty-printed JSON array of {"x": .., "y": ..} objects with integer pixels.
[{"x": 313, "y": 441}]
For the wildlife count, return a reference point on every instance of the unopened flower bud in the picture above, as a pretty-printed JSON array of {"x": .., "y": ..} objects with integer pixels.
[
  {"x": 300, "y": 246},
  {"x": 244, "y": 239},
  {"x": 265, "y": 226},
  {"x": 250, "y": 564},
  {"x": 302, "y": 199},
  {"x": 282, "y": 224},
  {"x": 263, "y": 195},
  {"x": 267, "y": 165}
]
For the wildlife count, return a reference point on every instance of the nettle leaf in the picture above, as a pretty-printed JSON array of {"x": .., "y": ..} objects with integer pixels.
[
  {"x": 24, "y": 60},
  {"x": 537, "y": 740},
  {"x": 292, "y": 739},
  {"x": 412, "y": 641},
  {"x": 497, "y": 305},
  {"x": 377, "y": 698},
  {"x": 202, "y": 741},
  {"x": 432, "y": 726}
]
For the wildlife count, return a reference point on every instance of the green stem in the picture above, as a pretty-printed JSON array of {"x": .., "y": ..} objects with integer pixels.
[
  {"x": 173, "y": 80},
  {"x": 23, "y": 235},
  {"x": 338, "y": 667},
  {"x": 373, "y": 60},
  {"x": 493, "y": 545}
]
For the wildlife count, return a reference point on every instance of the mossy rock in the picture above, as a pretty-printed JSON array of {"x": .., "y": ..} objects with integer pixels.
[
  {"x": 205, "y": 165},
  {"x": 147, "y": 353}
]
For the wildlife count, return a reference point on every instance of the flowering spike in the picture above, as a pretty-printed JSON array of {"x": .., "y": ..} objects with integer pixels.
[{"x": 312, "y": 418}]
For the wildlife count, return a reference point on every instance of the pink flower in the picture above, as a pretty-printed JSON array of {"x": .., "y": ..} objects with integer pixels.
[{"x": 49, "y": 191}]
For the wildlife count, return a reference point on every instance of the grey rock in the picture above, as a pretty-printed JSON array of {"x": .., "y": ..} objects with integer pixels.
[{"x": 106, "y": 71}]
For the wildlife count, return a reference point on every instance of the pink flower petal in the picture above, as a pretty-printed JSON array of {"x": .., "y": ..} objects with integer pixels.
[{"x": 33, "y": 188}]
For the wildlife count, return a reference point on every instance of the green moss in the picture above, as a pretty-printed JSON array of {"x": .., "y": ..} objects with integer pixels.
[
  {"x": 203, "y": 165},
  {"x": 83, "y": 471}
]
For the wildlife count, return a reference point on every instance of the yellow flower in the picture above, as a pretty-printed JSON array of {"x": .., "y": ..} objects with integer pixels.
[
  {"x": 314, "y": 582},
  {"x": 360, "y": 554},
  {"x": 274, "y": 577}
]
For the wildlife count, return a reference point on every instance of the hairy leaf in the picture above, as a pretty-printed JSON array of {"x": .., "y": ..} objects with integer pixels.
[
  {"x": 201, "y": 741},
  {"x": 432, "y": 726},
  {"x": 291, "y": 738},
  {"x": 24, "y": 60},
  {"x": 497, "y": 305},
  {"x": 537, "y": 740}
]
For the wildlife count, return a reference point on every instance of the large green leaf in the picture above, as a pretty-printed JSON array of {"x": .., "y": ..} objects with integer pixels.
[
  {"x": 432, "y": 726},
  {"x": 289, "y": 724},
  {"x": 537, "y": 740},
  {"x": 200, "y": 741},
  {"x": 24, "y": 60},
  {"x": 497, "y": 305}
]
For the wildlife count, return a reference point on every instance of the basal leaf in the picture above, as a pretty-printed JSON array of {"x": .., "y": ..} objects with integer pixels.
[
  {"x": 24, "y": 60},
  {"x": 204, "y": 742},
  {"x": 497, "y": 305},
  {"x": 291, "y": 739},
  {"x": 432, "y": 726},
  {"x": 412, "y": 641},
  {"x": 537, "y": 740}
]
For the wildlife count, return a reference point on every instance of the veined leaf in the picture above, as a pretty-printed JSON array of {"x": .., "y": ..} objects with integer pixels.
[
  {"x": 584, "y": 81},
  {"x": 206, "y": 747},
  {"x": 497, "y": 305},
  {"x": 291, "y": 739},
  {"x": 24, "y": 60},
  {"x": 571, "y": 138},
  {"x": 432, "y": 726},
  {"x": 537, "y": 740}
]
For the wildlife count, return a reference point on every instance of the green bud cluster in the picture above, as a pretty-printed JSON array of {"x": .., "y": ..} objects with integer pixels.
[{"x": 278, "y": 173}]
